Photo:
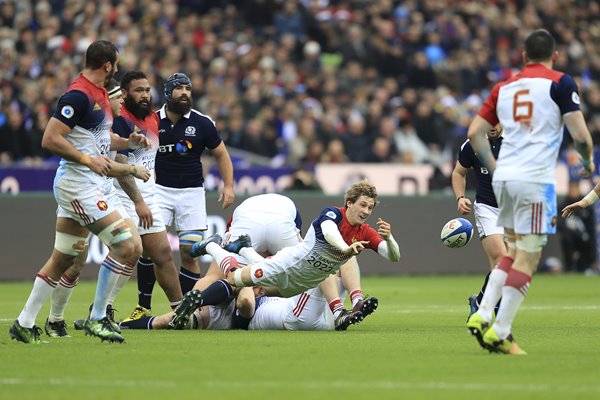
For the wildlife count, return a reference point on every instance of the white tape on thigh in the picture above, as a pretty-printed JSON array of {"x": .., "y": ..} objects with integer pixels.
[
  {"x": 116, "y": 232},
  {"x": 69, "y": 244},
  {"x": 237, "y": 278},
  {"x": 532, "y": 243}
]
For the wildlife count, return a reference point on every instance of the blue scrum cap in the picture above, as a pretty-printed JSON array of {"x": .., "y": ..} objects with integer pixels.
[{"x": 177, "y": 79}]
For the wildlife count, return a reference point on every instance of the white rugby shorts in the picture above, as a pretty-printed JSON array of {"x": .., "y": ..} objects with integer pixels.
[
  {"x": 526, "y": 207},
  {"x": 486, "y": 220},
  {"x": 84, "y": 202},
  {"x": 182, "y": 209},
  {"x": 129, "y": 206}
]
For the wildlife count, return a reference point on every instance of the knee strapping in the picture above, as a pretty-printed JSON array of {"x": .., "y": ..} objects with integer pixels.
[
  {"x": 190, "y": 237},
  {"x": 237, "y": 278},
  {"x": 532, "y": 243},
  {"x": 70, "y": 244},
  {"x": 115, "y": 233}
]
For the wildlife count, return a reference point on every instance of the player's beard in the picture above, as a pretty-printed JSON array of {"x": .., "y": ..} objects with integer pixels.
[
  {"x": 138, "y": 111},
  {"x": 179, "y": 107},
  {"x": 109, "y": 77}
]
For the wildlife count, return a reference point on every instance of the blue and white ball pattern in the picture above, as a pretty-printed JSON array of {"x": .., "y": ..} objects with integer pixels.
[{"x": 456, "y": 233}]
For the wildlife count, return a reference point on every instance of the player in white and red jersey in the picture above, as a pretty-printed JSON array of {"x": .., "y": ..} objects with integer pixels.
[
  {"x": 532, "y": 107},
  {"x": 79, "y": 132},
  {"x": 333, "y": 238},
  {"x": 138, "y": 116}
]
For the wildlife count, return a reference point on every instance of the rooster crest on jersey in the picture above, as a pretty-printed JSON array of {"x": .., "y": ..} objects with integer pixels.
[{"x": 456, "y": 233}]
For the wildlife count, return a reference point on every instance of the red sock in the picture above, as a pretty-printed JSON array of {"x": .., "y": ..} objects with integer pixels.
[
  {"x": 336, "y": 306},
  {"x": 519, "y": 280},
  {"x": 228, "y": 264},
  {"x": 356, "y": 296},
  {"x": 505, "y": 263}
]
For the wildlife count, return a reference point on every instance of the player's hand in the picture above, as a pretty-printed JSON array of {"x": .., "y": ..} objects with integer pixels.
[
  {"x": 140, "y": 172},
  {"x": 464, "y": 206},
  {"x": 357, "y": 247},
  {"x": 587, "y": 170},
  {"x": 226, "y": 196},
  {"x": 100, "y": 165},
  {"x": 384, "y": 229},
  {"x": 137, "y": 141},
  {"x": 571, "y": 208},
  {"x": 143, "y": 211}
]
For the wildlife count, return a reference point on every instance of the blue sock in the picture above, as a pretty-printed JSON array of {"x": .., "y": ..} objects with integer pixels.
[
  {"x": 109, "y": 273},
  {"x": 145, "y": 282},
  {"x": 142, "y": 323},
  {"x": 187, "y": 279},
  {"x": 216, "y": 293}
]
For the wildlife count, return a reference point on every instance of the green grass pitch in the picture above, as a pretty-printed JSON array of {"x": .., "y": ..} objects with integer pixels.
[{"x": 415, "y": 346}]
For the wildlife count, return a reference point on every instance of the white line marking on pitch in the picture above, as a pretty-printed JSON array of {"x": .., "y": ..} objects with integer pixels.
[{"x": 382, "y": 385}]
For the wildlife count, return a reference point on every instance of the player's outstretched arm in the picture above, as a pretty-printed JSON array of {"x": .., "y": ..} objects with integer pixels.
[
  {"x": 587, "y": 201},
  {"x": 333, "y": 236},
  {"x": 389, "y": 247}
]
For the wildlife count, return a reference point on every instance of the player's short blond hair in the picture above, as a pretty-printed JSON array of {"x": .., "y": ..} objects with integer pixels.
[{"x": 362, "y": 188}]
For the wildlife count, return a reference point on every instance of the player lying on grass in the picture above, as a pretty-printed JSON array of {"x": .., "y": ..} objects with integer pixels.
[
  {"x": 302, "y": 267},
  {"x": 306, "y": 311}
]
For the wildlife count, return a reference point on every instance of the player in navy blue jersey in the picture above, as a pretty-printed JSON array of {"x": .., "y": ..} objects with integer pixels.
[
  {"x": 485, "y": 207},
  {"x": 184, "y": 134}
]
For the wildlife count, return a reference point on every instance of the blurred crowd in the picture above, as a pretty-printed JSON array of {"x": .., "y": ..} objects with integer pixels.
[{"x": 298, "y": 82}]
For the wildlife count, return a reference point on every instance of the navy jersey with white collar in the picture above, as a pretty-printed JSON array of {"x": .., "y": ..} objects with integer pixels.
[
  {"x": 178, "y": 162},
  {"x": 484, "y": 194}
]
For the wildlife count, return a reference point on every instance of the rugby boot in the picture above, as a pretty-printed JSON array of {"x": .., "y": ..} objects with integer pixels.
[
  {"x": 238, "y": 244},
  {"x": 199, "y": 248},
  {"x": 347, "y": 318},
  {"x": 504, "y": 346},
  {"x": 191, "y": 301},
  {"x": 25, "y": 335},
  {"x": 56, "y": 329}
]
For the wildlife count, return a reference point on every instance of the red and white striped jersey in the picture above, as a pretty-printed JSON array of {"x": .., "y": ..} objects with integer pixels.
[{"x": 530, "y": 106}]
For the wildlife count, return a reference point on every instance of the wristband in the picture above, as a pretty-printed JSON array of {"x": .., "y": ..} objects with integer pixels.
[
  {"x": 132, "y": 170},
  {"x": 591, "y": 197},
  {"x": 459, "y": 197},
  {"x": 85, "y": 159}
]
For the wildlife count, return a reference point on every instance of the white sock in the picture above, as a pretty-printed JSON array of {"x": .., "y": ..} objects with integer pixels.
[
  {"x": 42, "y": 289},
  {"x": 217, "y": 252},
  {"x": 251, "y": 255},
  {"x": 121, "y": 281},
  {"x": 512, "y": 299},
  {"x": 493, "y": 292},
  {"x": 60, "y": 297},
  {"x": 109, "y": 273}
]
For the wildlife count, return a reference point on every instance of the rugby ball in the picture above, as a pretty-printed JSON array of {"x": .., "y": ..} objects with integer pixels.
[{"x": 456, "y": 233}]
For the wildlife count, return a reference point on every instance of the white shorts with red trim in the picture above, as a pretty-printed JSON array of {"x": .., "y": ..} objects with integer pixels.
[
  {"x": 307, "y": 311},
  {"x": 526, "y": 207},
  {"x": 84, "y": 202}
]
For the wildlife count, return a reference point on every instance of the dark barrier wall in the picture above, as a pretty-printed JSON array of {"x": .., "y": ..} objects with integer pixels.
[{"x": 27, "y": 235}]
